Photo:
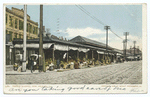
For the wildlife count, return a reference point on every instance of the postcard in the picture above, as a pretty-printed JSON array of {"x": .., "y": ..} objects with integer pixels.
[{"x": 75, "y": 48}]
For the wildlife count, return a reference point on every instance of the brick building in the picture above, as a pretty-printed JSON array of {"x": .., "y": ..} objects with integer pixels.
[
  {"x": 14, "y": 21},
  {"x": 14, "y": 24}
]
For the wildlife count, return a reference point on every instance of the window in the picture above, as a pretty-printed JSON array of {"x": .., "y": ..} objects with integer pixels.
[
  {"x": 30, "y": 28},
  {"x": 20, "y": 25},
  {"x": 16, "y": 23},
  {"x": 33, "y": 30},
  {"x": 6, "y": 18},
  {"x": 10, "y": 21},
  {"x": 10, "y": 36},
  {"x": 27, "y": 27},
  {"x": 36, "y": 30},
  {"x": 19, "y": 35},
  {"x": 15, "y": 35}
]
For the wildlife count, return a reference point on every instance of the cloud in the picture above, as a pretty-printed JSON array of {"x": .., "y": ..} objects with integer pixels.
[
  {"x": 104, "y": 38},
  {"x": 72, "y": 32},
  {"x": 118, "y": 43},
  {"x": 113, "y": 41}
]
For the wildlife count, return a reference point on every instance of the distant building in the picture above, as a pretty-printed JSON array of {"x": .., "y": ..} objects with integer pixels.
[
  {"x": 137, "y": 51},
  {"x": 14, "y": 24}
]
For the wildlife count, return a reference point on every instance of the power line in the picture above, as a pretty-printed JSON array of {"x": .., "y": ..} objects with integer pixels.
[
  {"x": 116, "y": 34},
  {"x": 97, "y": 20},
  {"x": 87, "y": 13},
  {"x": 93, "y": 17}
]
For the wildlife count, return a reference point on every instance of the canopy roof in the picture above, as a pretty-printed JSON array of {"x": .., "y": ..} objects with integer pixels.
[
  {"x": 100, "y": 47},
  {"x": 87, "y": 41}
]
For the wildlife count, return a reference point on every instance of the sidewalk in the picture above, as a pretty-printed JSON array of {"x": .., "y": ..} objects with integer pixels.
[
  {"x": 9, "y": 67},
  {"x": 28, "y": 72}
]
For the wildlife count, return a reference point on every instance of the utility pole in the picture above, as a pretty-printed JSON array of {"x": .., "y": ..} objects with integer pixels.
[
  {"x": 57, "y": 25},
  {"x": 41, "y": 40},
  {"x": 126, "y": 33},
  {"x": 124, "y": 48},
  {"x": 24, "y": 40},
  {"x": 130, "y": 49},
  {"x": 107, "y": 27},
  {"x": 134, "y": 48},
  {"x": 138, "y": 49}
]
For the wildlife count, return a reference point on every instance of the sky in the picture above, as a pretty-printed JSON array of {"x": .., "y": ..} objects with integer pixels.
[{"x": 73, "y": 22}]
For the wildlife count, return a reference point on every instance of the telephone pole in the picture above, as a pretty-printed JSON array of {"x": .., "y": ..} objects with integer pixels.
[
  {"x": 134, "y": 48},
  {"x": 107, "y": 27},
  {"x": 130, "y": 49},
  {"x": 24, "y": 40},
  {"x": 126, "y": 34},
  {"x": 41, "y": 40},
  {"x": 123, "y": 47},
  {"x": 138, "y": 49}
]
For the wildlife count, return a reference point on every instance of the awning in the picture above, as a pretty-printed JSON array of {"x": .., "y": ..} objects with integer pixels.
[
  {"x": 100, "y": 52},
  {"x": 60, "y": 47},
  {"x": 73, "y": 48},
  {"x": 111, "y": 54},
  {"x": 130, "y": 57},
  {"x": 45, "y": 46},
  {"x": 83, "y": 49},
  {"x": 118, "y": 54}
]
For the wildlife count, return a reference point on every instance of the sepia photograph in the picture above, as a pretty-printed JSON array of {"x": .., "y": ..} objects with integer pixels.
[{"x": 51, "y": 46}]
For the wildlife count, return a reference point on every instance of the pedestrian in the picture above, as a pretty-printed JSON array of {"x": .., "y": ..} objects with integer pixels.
[
  {"x": 58, "y": 62},
  {"x": 32, "y": 64}
]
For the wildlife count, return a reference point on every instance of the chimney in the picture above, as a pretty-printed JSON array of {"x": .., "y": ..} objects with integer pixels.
[
  {"x": 48, "y": 35},
  {"x": 62, "y": 38}
]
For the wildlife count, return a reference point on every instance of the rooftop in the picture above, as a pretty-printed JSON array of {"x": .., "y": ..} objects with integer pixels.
[{"x": 84, "y": 40}]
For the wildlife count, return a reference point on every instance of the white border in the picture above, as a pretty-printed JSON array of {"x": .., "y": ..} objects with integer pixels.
[{"x": 144, "y": 42}]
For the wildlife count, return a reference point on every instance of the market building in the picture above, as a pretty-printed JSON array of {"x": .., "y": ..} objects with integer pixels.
[{"x": 55, "y": 48}]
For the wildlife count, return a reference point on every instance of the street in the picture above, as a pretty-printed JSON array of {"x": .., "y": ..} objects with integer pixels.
[{"x": 121, "y": 73}]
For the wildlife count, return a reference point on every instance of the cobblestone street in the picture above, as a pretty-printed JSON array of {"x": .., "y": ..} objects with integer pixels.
[{"x": 121, "y": 73}]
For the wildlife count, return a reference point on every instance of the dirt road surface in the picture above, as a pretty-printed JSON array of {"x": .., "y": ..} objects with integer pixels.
[{"x": 121, "y": 73}]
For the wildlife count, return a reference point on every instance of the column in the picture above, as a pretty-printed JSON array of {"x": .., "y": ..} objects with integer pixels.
[
  {"x": 92, "y": 58},
  {"x": 18, "y": 24},
  {"x": 53, "y": 53},
  {"x": 13, "y": 20},
  {"x": 44, "y": 68},
  {"x": 92, "y": 54},
  {"x": 104, "y": 58},
  {"x": 77, "y": 55},
  {"x": 28, "y": 55},
  {"x": 14, "y": 54},
  {"x": 68, "y": 53},
  {"x": 67, "y": 56},
  {"x": 111, "y": 57},
  {"x": 98, "y": 56},
  {"x": 116, "y": 57},
  {"x": 32, "y": 29}
]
